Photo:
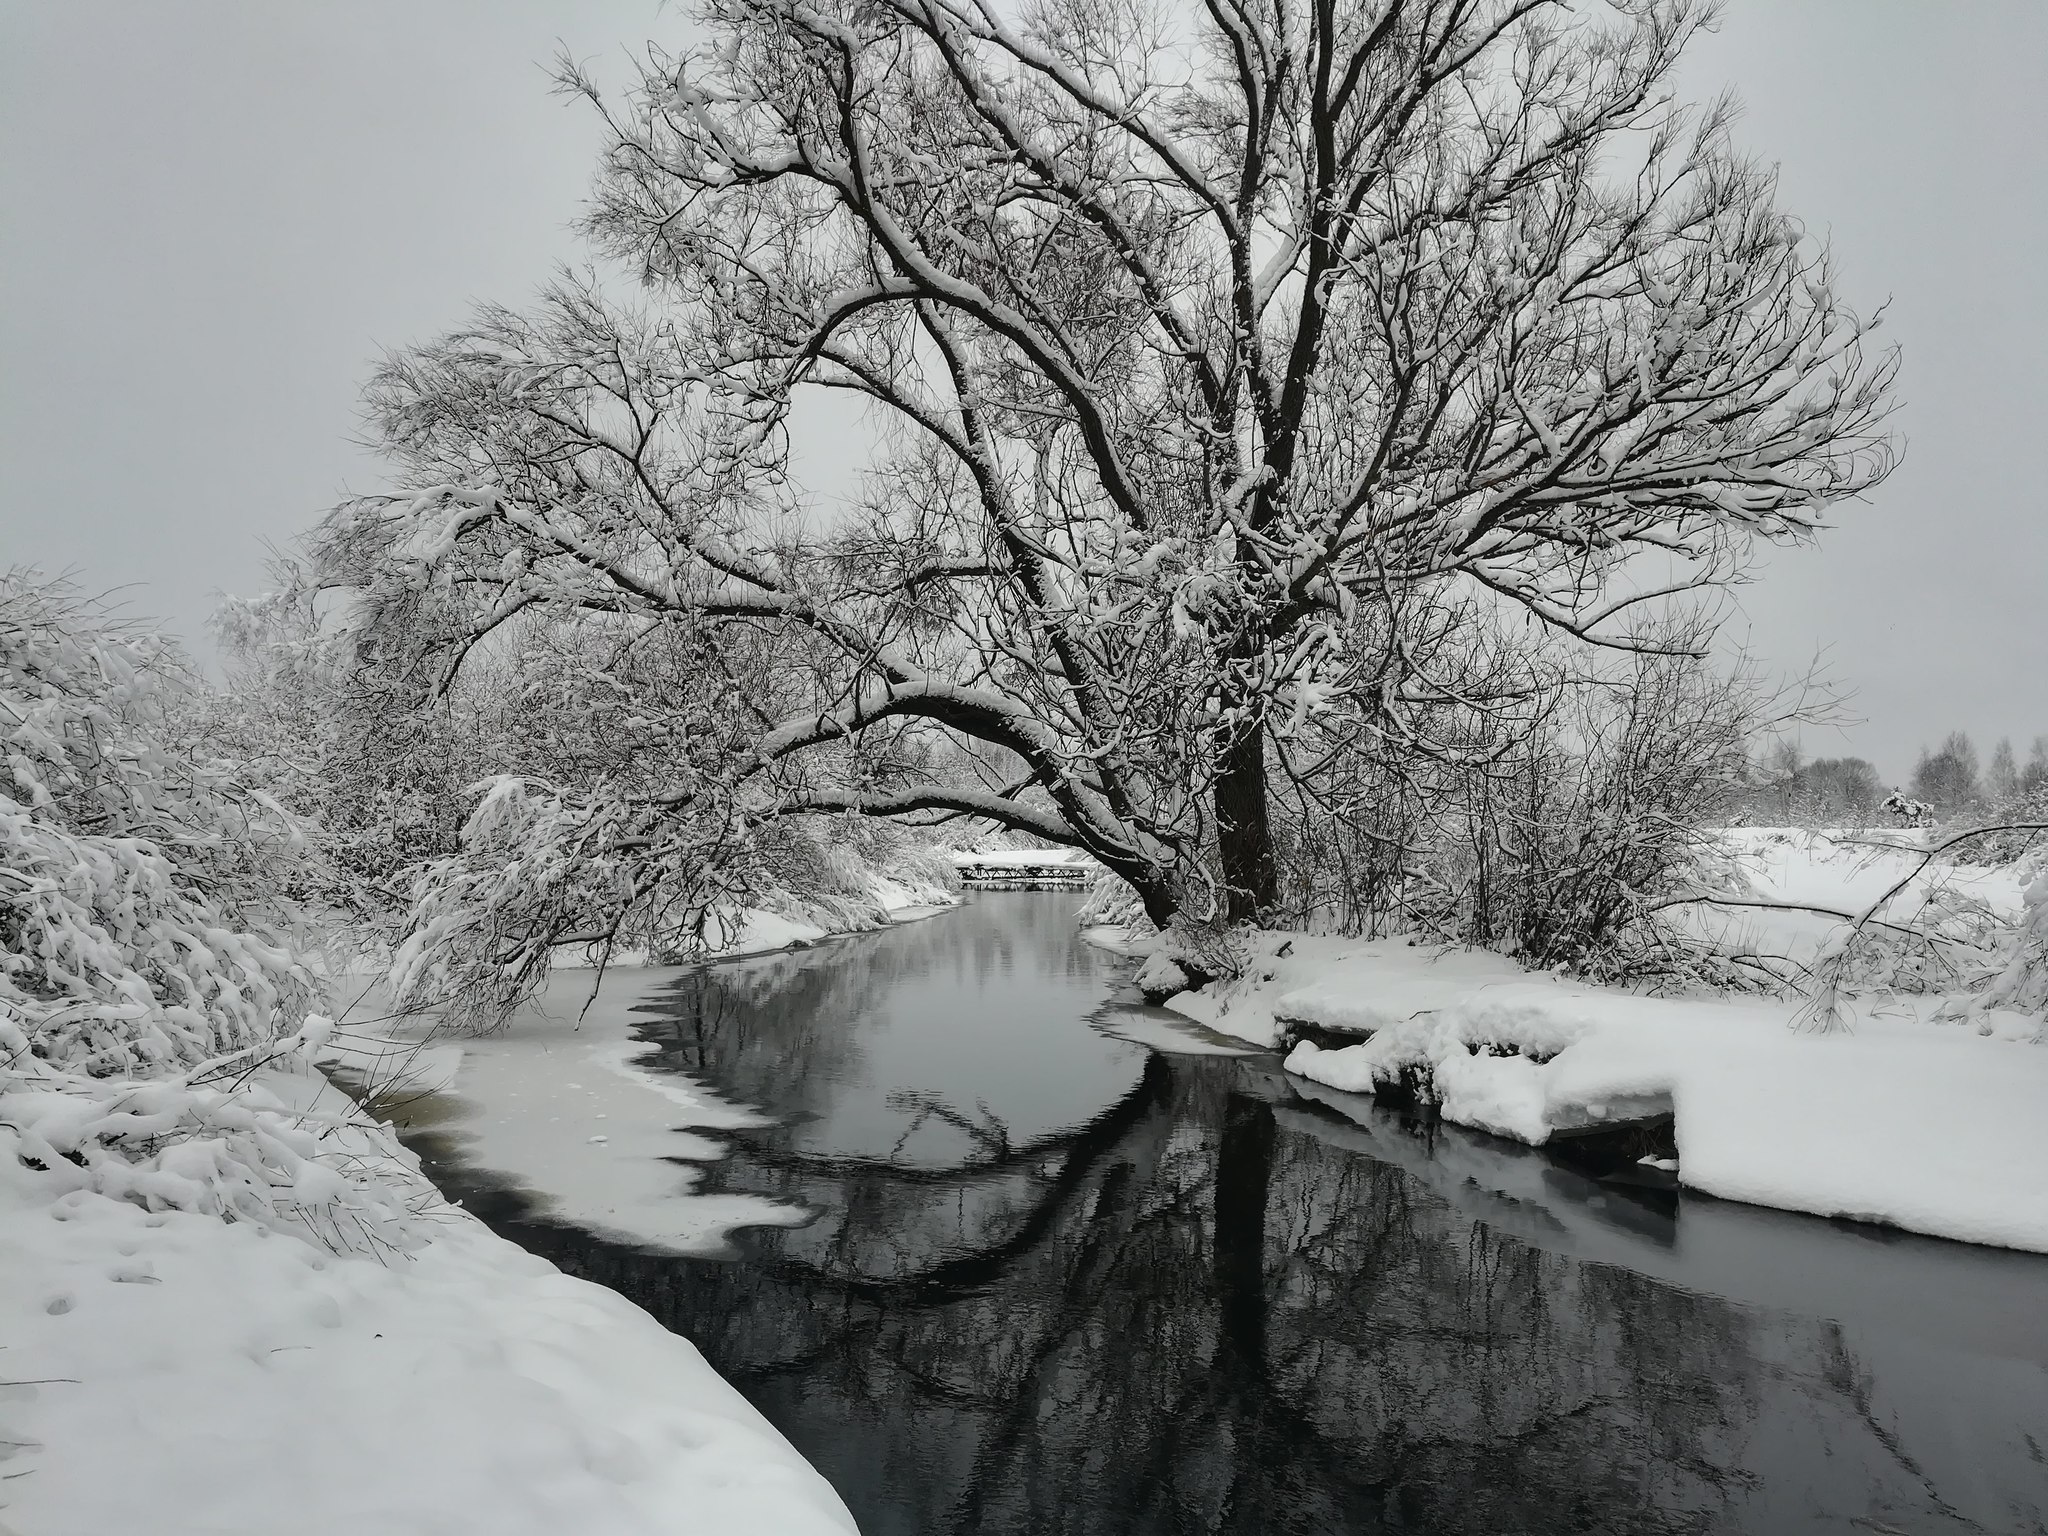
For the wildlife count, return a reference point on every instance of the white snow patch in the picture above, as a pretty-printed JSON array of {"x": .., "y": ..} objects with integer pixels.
[
  {"x": 1900, "y": 1120},
  {"x": 171, "y": 1373},
  {"x": 751, "y": 931},
  {"x": 1118, "y": 939},
  {"x": 524, "y": 1105}
]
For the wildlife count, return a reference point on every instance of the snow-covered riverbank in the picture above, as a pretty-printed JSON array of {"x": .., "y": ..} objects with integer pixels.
[
  {"x": 1894, "y": 1118},
  {"x": 173, "y": 1373},
  {"x": 798, "y": 924}
]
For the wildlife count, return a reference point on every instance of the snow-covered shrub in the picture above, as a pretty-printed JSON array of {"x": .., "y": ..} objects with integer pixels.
[
  {"x": 1608, "y": 812},
  {"x": 2009, "y": 837},
  {"x": 1111, "y": 903},
  {"x": 1549, "y": 812},
  {"x": 2021, "y": 983},
  {"x": 139, "y": 928},
  {"x": 1933, "y": 942},
  {"x": 1927, "y": 932},
  {"x": 145, "y": 968},
  {"x": 823, "y": 869},
  {"x": 2015, "y": 976},
  {"x": 1913, "y": 813},
  {"x": 534, "y": 870},
  {"x": 206, "y": 1140},
  {"x": 379, "y": 785}
]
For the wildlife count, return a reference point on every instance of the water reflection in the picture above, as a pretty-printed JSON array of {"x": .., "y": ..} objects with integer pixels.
[{"x": 1057, "y": 1283}]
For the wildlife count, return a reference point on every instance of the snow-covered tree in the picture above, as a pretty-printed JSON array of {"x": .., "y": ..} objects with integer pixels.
[
  {"x": 378, "y": 787},
  {"x": 1828, "y": 791},
  {"x": 1205, "y": 349},
  {"x": 2002, "y": 776},
  {"x": 1946, "y": 778},
  {"x": 1777, "y": 776},
  {"x": 2034, "y": 777}
]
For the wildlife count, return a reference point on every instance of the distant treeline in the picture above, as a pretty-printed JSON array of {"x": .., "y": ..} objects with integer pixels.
[{"x": 1948, "y": 779}]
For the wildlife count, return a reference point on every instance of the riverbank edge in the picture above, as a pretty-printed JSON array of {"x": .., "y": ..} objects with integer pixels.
[
  {"x": 559, "y": 1108},
  {"x": 463, "y": 1384},
  {"x": 119, "y": 1320},
  {"x": 1896, "y": 1120}
]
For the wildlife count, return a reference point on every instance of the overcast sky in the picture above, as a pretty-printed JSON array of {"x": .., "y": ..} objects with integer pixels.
[{"x": 214, "y": 215}]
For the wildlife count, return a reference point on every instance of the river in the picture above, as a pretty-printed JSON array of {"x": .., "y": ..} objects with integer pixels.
[{"x": 1074, "y": 1268}]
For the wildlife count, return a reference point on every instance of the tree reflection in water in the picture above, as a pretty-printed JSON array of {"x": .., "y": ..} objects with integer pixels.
[{"x": 1206, "y": 1306}]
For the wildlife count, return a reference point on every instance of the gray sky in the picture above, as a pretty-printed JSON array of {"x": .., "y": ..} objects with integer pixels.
[{"x": 213, "y": 215}]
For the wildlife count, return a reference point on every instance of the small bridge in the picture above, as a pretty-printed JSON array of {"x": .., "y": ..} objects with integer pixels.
[{"x": 1027, "y": 869}]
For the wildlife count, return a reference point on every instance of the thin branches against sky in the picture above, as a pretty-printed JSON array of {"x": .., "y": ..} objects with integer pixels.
[{"x": 219, "y": 214}]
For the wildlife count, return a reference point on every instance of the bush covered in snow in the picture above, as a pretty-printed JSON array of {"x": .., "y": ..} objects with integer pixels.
[
  {"x": 2020, "y": 979},
  {"x": 146, "y": 966},
  {"x": 378, "y": 785},
  {"x": 1950, "y": 916},
  {"x": 2013, "y": 976},
  {"x": 1550, "y": 811}
]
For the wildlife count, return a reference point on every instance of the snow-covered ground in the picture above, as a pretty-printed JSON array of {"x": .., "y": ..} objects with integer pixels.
[
  {"x": 1894, "y": 1118},
  {"x": 168, "y": 1372},
  {"x": 173, "y": 1373}
]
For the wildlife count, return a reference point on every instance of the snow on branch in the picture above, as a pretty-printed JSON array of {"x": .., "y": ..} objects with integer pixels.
[{"x": 1199, "y": 356}]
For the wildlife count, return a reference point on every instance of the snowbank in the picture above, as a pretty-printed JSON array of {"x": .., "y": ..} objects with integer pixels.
[
  {"x": 796, "y": 923},
  {"x": 1900, "y": 1120},
  {"x": 756, "y": 931},
  {"x": 172, "y": 1373},
  {"x": 227, "y": 1303}
]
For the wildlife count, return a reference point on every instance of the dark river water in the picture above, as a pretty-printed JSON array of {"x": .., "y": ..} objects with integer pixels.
[{"x": 1061, "y": 1280}]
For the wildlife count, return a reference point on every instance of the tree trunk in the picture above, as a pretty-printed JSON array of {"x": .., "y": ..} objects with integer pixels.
[
  {"x": 1157, "y": 896},
  {"x": 1244, "y": 829}
]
